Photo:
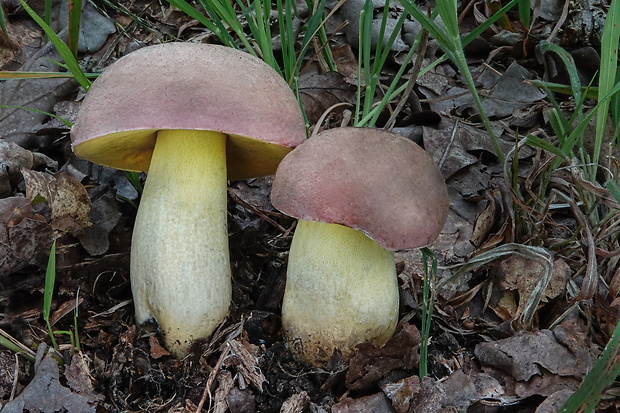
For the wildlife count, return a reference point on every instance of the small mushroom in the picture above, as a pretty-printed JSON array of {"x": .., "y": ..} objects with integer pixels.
[
  {"x": 193, "y": 116},
  {"x": 359, "y": 194}
]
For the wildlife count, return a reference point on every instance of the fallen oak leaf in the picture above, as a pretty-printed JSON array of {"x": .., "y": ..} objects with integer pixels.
[
  {"x": 370, "y": 364},
  {"x": 66, "y": 197},
  {"x": 243, "y": 357},
  {"x": 12, "y": 158},
  {"x": 25, "y": 238},
  {"x": 45, "y": 393}
]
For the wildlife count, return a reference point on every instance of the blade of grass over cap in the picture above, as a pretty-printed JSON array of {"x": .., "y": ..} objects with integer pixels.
[
  {"x": 61, "y": 47},
  {"x": 66, "y": 122},
  {"x": 5, "y": 75}
]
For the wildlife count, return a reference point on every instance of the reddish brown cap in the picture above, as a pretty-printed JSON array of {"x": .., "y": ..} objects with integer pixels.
[
  {"x": 367, "y": 179},
  {"x": 189, "y": 86}
]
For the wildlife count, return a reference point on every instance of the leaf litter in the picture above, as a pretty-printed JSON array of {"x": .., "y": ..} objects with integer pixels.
[{"x": 481, "y": 357}]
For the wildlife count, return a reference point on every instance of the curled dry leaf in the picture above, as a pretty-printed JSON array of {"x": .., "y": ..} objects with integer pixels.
[
  {"x": 45, "y": 393},
  {"x": 521, "y": 274},
  {"x": 319, "y": 92},
  {"x": 24, "y": 238},
  {"x": 296, "y": 403},
  {"x": 226, "y": 383},
  {"x": 105, "y": 214},
  {"x": 79, "y": 378},
  {"x": 561, "y": 359},
  {"x": 377, "y": 403},
  {"x": 243, "y": 357},
  {"x": 12, "y": 158},
  {"x": 370, "y": 364},
  {"x": 402, "y": 392},
  {"x": 66, "y": 197},
  {"x": 157, "y": 351},
  {"x": 241, "y": 401}
]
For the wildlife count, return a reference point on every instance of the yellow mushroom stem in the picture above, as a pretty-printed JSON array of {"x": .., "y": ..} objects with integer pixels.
[
  {"x": 180, "y": 270},
  {"x": 341, "y": 290}
]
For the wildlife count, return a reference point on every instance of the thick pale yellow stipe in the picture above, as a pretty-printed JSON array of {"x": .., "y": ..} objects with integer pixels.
[
  {"x": 180, "y": 271},
  {"x": 341, "y": 290}
]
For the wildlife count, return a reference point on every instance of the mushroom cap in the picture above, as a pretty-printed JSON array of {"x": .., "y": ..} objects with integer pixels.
[
  {"x": 189, "y": 86},
  {"x": 367, "y": 179}
]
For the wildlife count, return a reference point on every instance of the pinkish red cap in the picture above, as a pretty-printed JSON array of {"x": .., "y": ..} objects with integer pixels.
[
  {"x": 367, "y": 179},
  {"x": 189, "y": 86}
]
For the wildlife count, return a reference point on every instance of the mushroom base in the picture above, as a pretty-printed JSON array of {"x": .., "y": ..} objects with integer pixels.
[
  {"x": 180, "y": 271},
  {"x": 341, "y": 290}
]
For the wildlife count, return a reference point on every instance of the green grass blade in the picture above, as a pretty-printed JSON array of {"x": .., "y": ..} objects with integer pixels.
[
  {"x": 47, "y": 15},
  {"x": 428, "y": 300},
  {"x": 544, "y": 144},
  {"x": 615, "y": 105},
  {"x": 450, "y": 42},
  {"x": 66, "y": 122},
  {"x": 577, "y": 133},
  {"x": 285, "y": 26},
  {"x": 613, "y": 189},
  {"x": 607, "y": 75},
  {"x": 589, "y": 92},
  {"x": 48, "y": 292},
  {"x": 61, "y": 47},
  {"x": 3, "y": 23},
  {"x": 41, "y": 75},
  {"x": 10, "y": 343},
  {"x": 525, "y": 13},
  {"x": 76, "y": 335},
  {"x": 318, "y": 15},
  {"x": 224, "y": 11},
  {"x": 489, "y": 21},
  {"x": 215, "y": 25},
  {"x": 569, "y": 64},
  {"x": 427, "y": 22},
  {"x": 605, "y": 371},
  {"x": 75, "y": 13}
]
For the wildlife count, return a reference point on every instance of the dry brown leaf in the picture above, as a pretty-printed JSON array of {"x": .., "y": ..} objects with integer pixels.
[
  {"x": 243, "y": 357},
  {"x": 370, "y": 364},
  {"x": 539, "y": 362},
  {"x": 66, "y": 197},
  {"x": 105, "y": 214},
  {"x": 402, "y": 392},
  {"x": 296, "y": 403},
  {"x": 319, "y": 92},
  {"x": 156, "y": 349},
  {"x": 12, "y": 158},
  {"x": 226, "y": 383},
  {"x": 430, "y": 398},
  {"x": 241, "y": 401},
  {"x": 376, "y": 403},
  {"x": 486, "y": 220},
  {"x": 79, "y": 378},
  {"x": 45, "y": 393},
  {"x": 24, "y": 238},
  {"x": 554, "y": 402},
  {"x": 522, "y": 274}
]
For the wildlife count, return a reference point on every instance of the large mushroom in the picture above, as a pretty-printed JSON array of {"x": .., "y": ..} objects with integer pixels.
[
  {"x": 193, "y": 116},
  {"x": 359, "y": 195}
]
